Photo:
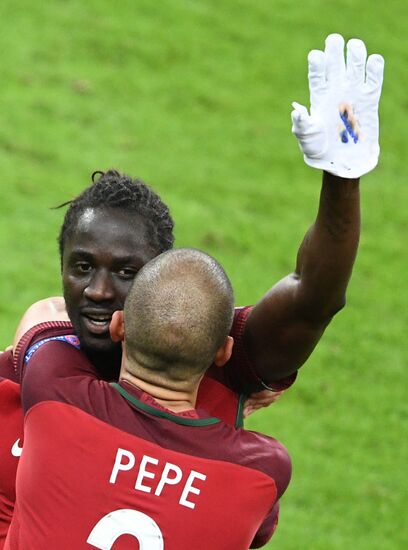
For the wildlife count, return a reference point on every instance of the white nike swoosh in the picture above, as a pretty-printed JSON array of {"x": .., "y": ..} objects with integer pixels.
[{"x": 16, "y": 450}]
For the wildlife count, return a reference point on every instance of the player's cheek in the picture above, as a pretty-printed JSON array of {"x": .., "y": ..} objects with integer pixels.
[{"x": 73, "y": 293}]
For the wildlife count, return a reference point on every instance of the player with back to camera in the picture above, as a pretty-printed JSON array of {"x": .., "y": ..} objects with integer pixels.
[
  {"x": 100, "y": 254},
  {"x": 135, "y": 459}
]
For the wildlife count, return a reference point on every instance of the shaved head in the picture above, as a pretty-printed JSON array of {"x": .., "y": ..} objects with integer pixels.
[{"x": 178, "y": 313}]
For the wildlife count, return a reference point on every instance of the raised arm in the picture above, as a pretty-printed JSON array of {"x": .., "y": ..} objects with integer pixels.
[
  {"x": 285, "y": 326},
  {"x": 340, "y": 136}
]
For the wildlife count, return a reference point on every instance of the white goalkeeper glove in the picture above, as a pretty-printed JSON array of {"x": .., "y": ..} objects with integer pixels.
[{"x": 341, "y": 133}]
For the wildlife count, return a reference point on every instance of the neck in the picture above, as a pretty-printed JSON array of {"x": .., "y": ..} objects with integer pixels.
[
  {"x": 107, "y": 363},
  {"x": 177, "y": 397}
]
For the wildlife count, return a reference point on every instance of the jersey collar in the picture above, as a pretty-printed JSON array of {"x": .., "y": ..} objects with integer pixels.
[{"x": 162, "y": 412}]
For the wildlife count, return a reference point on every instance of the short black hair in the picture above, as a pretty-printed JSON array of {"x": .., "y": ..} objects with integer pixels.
[{"x": 113, "y": 189}]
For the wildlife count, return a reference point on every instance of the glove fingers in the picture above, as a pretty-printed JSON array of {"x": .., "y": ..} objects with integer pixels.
[
  {"x": 375, "y": 73},
  {"x": 317, "y": 76},
  {"x": 299, "y": 109},
  {"x": 334, "y": 52},
  {"x": 356, "y": 62},
  {"x": 300, "y": 117}
]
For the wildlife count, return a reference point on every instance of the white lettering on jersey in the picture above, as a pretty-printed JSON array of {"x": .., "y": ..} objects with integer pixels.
[
  {"x": 130, "y": 522},
  {"x": 188, "y": 488},
  {"x": 166, "y": 480},
  {"x": 171, "y": 475},
  {"x": 16, "y": 450},
  {"x": 118, "y": 462},
  {"x": 144, "y": 473}
]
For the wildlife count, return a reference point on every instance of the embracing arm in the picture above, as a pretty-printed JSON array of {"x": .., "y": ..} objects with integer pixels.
[
  {"x": 49, "y": 309},
  {"x": 285, "y": 326}
]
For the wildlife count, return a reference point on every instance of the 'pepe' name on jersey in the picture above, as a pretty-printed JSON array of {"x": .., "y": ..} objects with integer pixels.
[{"x": 171, "y": 475}]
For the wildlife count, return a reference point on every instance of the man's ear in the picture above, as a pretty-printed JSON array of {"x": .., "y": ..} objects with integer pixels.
[
  {"x": 224, "y": 352},
  {"x": 117, "y": 327}
]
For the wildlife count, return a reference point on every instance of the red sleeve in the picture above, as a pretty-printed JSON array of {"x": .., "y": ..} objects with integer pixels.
[
  {"x": 239, "y": 373},
  {"x": 267, "y": 528},
  {"x": 57, "y": 371},
  {"x": 39, "y": 332},
  {"x": 6, "y": 366},
  {"x": 277, "y": 464}
]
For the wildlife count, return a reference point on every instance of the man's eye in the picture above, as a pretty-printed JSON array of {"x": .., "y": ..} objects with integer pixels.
[
  {"x": 83, "y": 267},
  {"x": 127, "y": 273}
]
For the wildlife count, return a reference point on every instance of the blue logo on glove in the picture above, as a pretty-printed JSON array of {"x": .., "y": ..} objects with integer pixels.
[{"x": 349, "y": 122}]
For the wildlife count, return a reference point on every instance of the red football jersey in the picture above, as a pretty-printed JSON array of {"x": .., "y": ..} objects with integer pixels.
[
  {"x": 105, "y": 466},
  {"x": 222, "y": 390},
  {"x": 11, "y": 419},
  {"x": 222, "y": 393}
]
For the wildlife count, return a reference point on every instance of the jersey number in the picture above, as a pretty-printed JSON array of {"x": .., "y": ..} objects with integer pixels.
[{"x": 126, "y": 522}]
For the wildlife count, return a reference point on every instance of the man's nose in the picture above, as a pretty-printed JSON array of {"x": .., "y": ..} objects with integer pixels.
[{"x": 101, "y": 287}]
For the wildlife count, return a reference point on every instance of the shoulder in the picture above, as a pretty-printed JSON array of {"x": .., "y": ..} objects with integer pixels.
[
  {"x": 266, "y": 454},
  {"x": 240, "y": 318},
  {"x": 56, "y": 356},
  {"x": 38, "y": 333},
  {"x": 54, "y": 369}
]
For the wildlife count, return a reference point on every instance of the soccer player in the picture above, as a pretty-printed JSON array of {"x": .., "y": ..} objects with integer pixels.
[
  {"x": 117, "y": 225},
  {"x": 136, "y": 459}
]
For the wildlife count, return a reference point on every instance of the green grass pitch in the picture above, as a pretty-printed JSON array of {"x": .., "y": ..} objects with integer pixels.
[{"x": 194, "y": 97}]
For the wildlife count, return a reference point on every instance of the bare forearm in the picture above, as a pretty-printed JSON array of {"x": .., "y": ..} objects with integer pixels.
[{"x": 326, "y": 256}]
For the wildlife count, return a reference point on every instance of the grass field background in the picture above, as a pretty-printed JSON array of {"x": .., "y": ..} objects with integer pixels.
[{"x": 194, "y": 97}]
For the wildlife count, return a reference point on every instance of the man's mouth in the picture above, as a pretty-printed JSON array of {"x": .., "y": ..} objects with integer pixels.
[{"x": 97, "y": 323}]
